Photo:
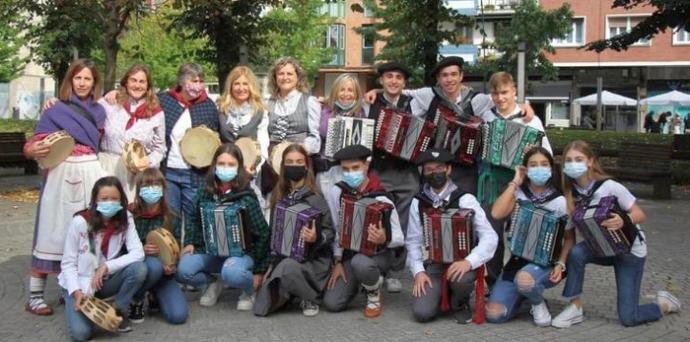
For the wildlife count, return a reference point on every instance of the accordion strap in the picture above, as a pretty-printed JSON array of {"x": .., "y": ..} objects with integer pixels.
[
  {"x": 530, "y": 195},
  {"x": 232, "y": 197},
  {"x": 586, "y": 198},
  {"x": 464, "y": 110}
]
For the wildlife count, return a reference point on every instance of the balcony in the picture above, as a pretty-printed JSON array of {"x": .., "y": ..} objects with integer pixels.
[{"x": 497, "y": 7}]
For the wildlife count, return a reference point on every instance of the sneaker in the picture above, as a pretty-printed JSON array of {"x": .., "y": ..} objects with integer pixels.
[
  {"x": 373, "y": 308},
  {"x": 125, "y": 326},
  {"x": 671, "y": 302},
  {"x": 153, "y": 302},
  {"x": 136, "y": 312},
  {"x": 38, "y": 306},
  {"x": 569, "y": 316},
  {"x": 245, "y": 302},
  {"x": 309, "y": 308},
  {"x": 210, "y": 296},
  {"x": 463, "y": 314},
  {"x": 541, "y": 315},
  {"x": 393, "y": 285}
]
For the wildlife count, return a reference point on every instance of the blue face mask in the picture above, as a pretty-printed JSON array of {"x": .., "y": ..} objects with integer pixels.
[
  {"x": 353, "y": 178},
  {"x": 226, "y": 174},
  {"x": 574, "y": 169},
  {"x": 108, "y": 208},
  {"x": 151, "y": 194},
  {"x": 539, "y": 175}
]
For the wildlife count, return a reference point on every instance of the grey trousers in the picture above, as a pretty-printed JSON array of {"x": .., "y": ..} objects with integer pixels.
[
  {"x": 426, "y": 307},
  {"x": 361, "y": 269}
]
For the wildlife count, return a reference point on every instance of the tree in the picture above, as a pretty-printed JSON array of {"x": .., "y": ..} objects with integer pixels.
[
  {"x": 413, "y": 31},
  {"x": 11, "y": 64},
  {"x": 296, "y": 29},
  {"x": 668, "y": 14},
  {"x": 114, "y": 16}
]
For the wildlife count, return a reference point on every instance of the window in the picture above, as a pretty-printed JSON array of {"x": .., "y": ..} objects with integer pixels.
[
  {"x": 335, "y": 38},
  {"x": 465, "y": 34},
  {"x": 367, "y": 11},
  {"x": 681, "y": 36},
  {"x": 334, "y": 8},
  {"x": 621, "y": 25},
  {"x": 559, "y": 111},
  {"x": 576, "y": 36},
  {"x": 368, "y": 40}
]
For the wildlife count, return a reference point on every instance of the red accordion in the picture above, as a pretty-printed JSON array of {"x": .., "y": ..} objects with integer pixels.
[
  {"x": 461, "y": 136},
  {"x": 356, "y": 214},
  {"x": 448, "y": 234},
  {"x": 402, "y": 135}
]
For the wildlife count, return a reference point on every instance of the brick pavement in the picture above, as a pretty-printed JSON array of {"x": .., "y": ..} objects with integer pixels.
[{"x": 667, "y": 265}]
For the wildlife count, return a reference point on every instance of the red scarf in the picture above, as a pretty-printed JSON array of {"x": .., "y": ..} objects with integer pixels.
[
  {"x": 146, "y": 213},
  {"x": 374, "y": 184},
  {"x": 223, "y": 188},
  {"x": 479, "y": 300},
  {"x": 110, "y": 229},
  {"x": 141, "y": 112},
  {"x": 187, "y": 104}
]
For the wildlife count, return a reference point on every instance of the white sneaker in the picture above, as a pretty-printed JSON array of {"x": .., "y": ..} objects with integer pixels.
[
  {"x": 569, "y": 316},
  {"x": 672, "y": 303},
  {"x": 210, "y": 296},
  {"x": 245, "y": 302},
  {"x": 309, "y": 308},
  {"x": 541, "y": 315},
  {"x": 393, "y": 285}
]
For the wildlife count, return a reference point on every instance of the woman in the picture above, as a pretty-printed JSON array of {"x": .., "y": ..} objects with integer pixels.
[
  {"x": 227, "y": 182},
  {"x": 288, "y": 277},
  {"x": 136, "y": 115},
  {"x": 520, "y": 278},
  {"x": 103, "y": 257},
  {"x": 66, "y": 189},
  {"x": 585, "y": 182}
]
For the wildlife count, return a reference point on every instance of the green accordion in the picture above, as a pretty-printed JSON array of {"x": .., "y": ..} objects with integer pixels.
[{"x": 505, "y": 142}]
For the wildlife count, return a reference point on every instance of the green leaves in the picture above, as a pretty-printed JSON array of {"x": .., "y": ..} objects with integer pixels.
[{"x": 11, "y": 64}]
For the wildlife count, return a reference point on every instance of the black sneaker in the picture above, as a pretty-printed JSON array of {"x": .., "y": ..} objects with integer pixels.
[
  {"x": 463, "y": 315},
  {"x": 153, "y": 302},
  {"x": 136, "y": 312},
  {"x": 125, "y": 326}
]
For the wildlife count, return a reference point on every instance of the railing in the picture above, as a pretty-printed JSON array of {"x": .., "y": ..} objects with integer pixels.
[{"x": 500, "y": 5}]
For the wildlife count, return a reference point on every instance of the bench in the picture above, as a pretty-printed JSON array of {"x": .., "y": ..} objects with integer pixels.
[
  {"x": 644, "y": 163},
  {"x": 681, "y": 146},
  {"x": 12, "y": 152}
]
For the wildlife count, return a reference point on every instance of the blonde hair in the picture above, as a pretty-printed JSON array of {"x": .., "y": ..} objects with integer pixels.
[
  {"x": 226, "y": 102},
  {"x": 501, "y": 79},
  {"x": 596, "y": 172},
  {"x": 339, "y": 83},
  {"x": 302, "y": 85}
]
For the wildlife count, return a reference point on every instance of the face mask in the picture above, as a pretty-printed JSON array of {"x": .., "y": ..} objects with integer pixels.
[
  {"x": 345, "y": 107},
  {"x": 353, "y": 178},
  {"x": 108, "y": 208},
  {"x": 436, "y": 179},
  {"x": 151, "y": 194},
  {"x": 539, "y": 175},
  {"x": 295, "y": 172},
  {"x": 194, "y": 90},
  {"x": 226, "y": 174},
  {"x": 574, "y": 169}
]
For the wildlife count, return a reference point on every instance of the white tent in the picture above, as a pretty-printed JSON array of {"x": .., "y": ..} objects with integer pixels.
[
  {"x": 607, "y": 99},
  {"x": 673, "y": 98}
]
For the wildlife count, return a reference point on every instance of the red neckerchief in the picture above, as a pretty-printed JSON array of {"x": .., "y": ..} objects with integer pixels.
[
  {"x": 141, "y": 112},
  {"x": 110, "y": 229},
  {"x": 187, "y": 104},
  {"x": 223, "y": 188},
  {"x": 374, "y": 184}
]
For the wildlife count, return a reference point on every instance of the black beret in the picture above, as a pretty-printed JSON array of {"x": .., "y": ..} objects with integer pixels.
[
  {"x": 438, "y": 155},
  {"x": 446, "y": 62},
  {"x": 352, "y": 152},
  {"x": 393, "y": 66}
]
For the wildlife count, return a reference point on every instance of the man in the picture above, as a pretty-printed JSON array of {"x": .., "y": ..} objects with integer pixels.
[
  {"x": 353, "y": 268},
  {"x": 439, "y": 192}
]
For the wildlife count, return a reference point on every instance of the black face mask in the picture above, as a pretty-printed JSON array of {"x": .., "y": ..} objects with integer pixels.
[
  {"x": 437, "y": 179},
  {"x": 295, "y": 173}
]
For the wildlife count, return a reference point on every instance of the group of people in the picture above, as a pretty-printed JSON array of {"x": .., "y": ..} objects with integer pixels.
[
  {"x": 666, "y": 123},
  {"x": 94, "y": 213}
]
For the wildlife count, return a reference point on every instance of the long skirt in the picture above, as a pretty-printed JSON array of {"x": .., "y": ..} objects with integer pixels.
[{"x": 113, "y": 165}]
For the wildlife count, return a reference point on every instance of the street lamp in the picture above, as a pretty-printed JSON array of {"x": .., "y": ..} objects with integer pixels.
[{"x": 521, "y": 47}]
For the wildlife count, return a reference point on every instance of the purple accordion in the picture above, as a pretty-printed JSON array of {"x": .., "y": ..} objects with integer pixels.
[
  {"x": 587, "y": 217},
  {"x": 286, "y": 238}
]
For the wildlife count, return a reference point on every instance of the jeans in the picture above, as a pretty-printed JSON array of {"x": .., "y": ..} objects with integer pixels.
[
  {"x": 196, "y": 270},
  {"x": 171, "y": 299},
  {"x": 509, "y": 294},
  {"x": 629, "y": 269},
  {"x": 123, "y": 285},
  {"x": 181, "y": 190}
]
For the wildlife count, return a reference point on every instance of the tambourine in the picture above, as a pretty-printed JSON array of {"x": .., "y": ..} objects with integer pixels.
[
  {"x": 198, "y": 146},
  {"x": 168, "y": 249},
  {"x": 61, "y": 145},
  {"x": 251, "y": 152},
  {"x": 277, "y": 155},
  {"x": 134, "y": 156},
  {"x": 101, "y": 313}
]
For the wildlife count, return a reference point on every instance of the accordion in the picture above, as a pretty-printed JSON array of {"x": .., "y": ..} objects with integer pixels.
[
  {"x": 536, "y": 234},
  {"x": 344, "y": 131},
  {"x": 603, "y": 242},
  {"x": 355, "y": 217},
  {"x": 224, "y": 230},
  {"x": 289, "y": 219},
  {"x": 505, "y": 142},
  {"x": 448, "y": 234},
  {"x": 461, "y": 136},
  {"x": 403, "y": 135}
]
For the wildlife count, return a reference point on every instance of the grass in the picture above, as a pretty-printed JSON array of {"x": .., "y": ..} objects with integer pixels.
[{"x": 15, "y": 125}]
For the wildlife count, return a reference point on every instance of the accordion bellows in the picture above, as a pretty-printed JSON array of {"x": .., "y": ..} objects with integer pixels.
[
  {"x": 536, "y": 233},
  {"x": 603, "y": 242},
  {"x": 448, "y": 234},
  {"x": 355, "y": 217},
  {"x": 460, "y": 136},
  {"x": 403, "y": 135},
  {"x": 505, "y": 142},
  {"x": 225, "y": 233},
  {"x": 344, "y": 131},
  {"x": 290, "y": 219}
]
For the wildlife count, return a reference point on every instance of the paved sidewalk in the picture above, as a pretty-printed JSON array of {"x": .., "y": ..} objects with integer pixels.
[{"x": 668, "y": 265}]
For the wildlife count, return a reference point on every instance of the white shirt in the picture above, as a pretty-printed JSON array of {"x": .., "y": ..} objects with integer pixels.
[
  {"x": 483, "y": 252},
  {"x": 288, "y": 105},
  {"x": 422, "y": 97},
  {"x": 489, "y": 116},
  {"x": 333, "y": 200},
  {"x": 175, "y": 159}
]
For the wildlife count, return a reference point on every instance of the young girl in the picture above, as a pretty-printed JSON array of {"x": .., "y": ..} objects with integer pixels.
[
  {"x": 520, "y": 278},
  {"x": 586, "y": 180},
  {"x": 94, "y": 262},
  {"x": 288, "y": 277},
  {"x": 227, "y": 181},
  {"x": 150, "y": 210}
]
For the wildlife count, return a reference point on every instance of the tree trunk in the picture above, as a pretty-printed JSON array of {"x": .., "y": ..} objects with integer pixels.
[
  {"x": 111, "y": 46},
  {"x": 227, "y": 52},
  {"x": 429, "y": 46}
]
